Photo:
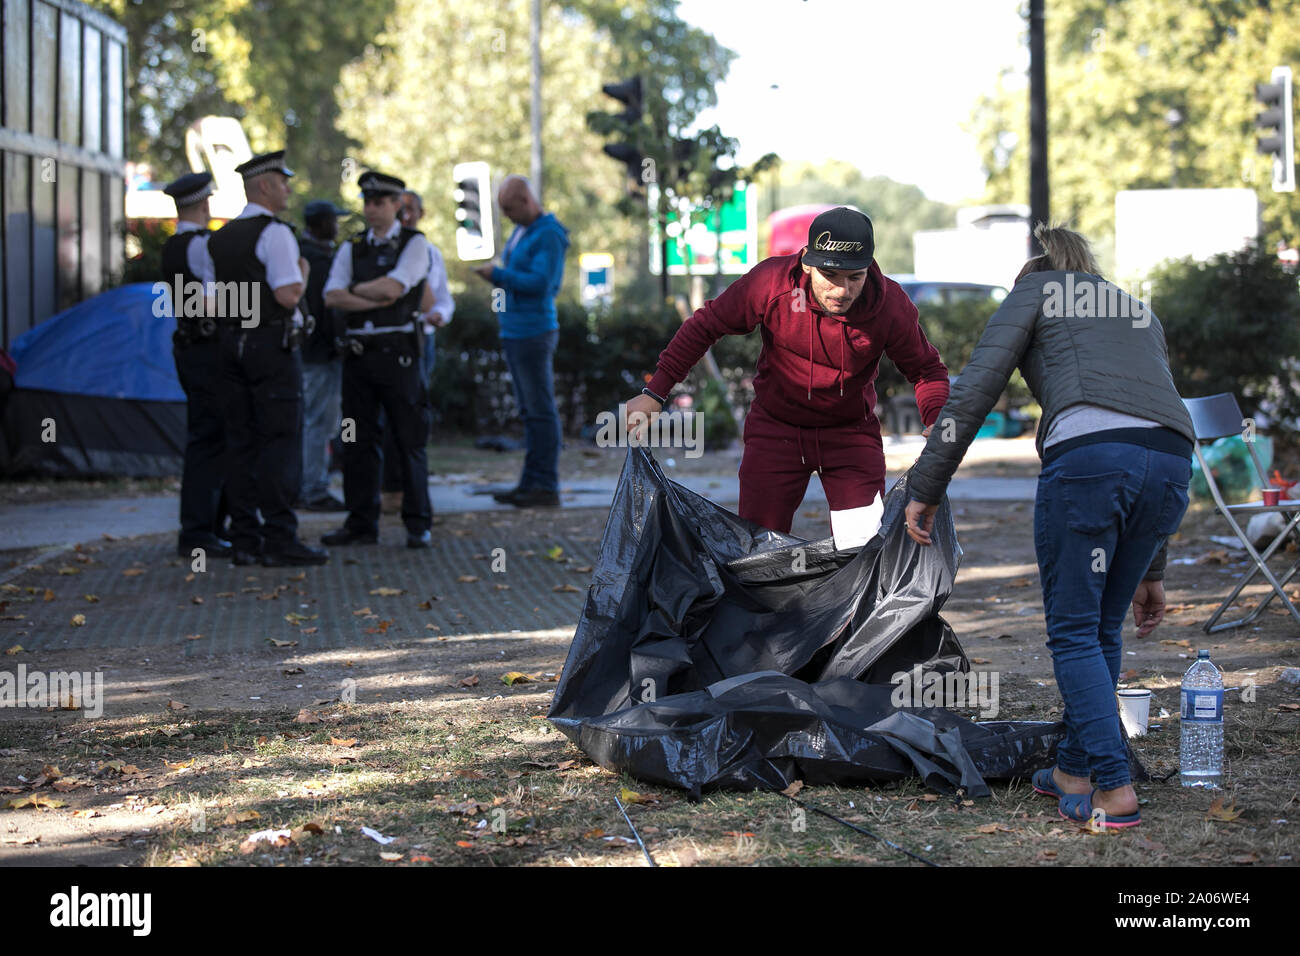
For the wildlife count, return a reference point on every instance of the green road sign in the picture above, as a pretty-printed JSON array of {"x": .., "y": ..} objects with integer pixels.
[{"x": 693, "y": 248}]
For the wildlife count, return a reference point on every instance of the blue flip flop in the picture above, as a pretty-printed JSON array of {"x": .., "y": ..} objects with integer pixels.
[
  {"x": 1077, "y": 807},
  {"x": 1045, "y": 784}
]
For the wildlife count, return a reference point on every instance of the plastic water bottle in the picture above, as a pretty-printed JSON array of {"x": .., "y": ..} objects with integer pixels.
[{"x": 1201, "y": 752}]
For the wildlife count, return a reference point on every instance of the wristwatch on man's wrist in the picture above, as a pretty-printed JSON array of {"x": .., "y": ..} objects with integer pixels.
[{"x": 658, "y": 398}]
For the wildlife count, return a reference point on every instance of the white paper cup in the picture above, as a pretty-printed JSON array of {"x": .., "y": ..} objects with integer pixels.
[{"x": 1134, "y": 710}]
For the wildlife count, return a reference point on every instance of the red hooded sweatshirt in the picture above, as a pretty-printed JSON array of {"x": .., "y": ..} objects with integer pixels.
[{"x": 816, "y": 369}]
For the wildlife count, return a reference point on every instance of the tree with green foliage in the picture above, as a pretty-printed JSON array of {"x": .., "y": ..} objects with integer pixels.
[
  {"x": 1233, "y": 325},
  {"x": 274, "y": 66},
  {"x": 448, "y": 82},
  {"x": 1144, "y": 94}
]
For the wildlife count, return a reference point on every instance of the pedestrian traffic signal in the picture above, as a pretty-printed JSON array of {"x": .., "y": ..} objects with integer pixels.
[
  {"x": 628, "y": 92},
  {"x": 473, "y": 195},
  {"x": 1278, "y": 115}
]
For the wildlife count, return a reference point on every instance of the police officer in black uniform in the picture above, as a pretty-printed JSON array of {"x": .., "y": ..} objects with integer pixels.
[
  {"x": 187, "y": 270},
  {"x": 378, "y": 279},
  {"x": 257, "y": 265}
]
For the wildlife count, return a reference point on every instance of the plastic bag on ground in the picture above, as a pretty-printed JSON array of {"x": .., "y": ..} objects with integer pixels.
[{"x": 712, "y": 652}]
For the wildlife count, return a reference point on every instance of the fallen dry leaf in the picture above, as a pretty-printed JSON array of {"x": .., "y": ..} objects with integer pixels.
[
  {"x": 516, "y": 677},
  {"x": 339, "y": 742},
  {"x": 793, "y": 789},
  {"x": 275, "y": 643},
  {"x": 387, "y": 592},
  {"x": 566, "y": 589},
  {"x": 78, "y": 620},
  {"x": 631, "y": 796},
  {"x": 306, "y": 716},
  {"x": 90, "y": 598},
  {"x": 291, "y": 671},
  {"x": 1225, "y": 813},
  {"x": 16, "y": 649},
  {"x": 49, "y": 595},
  {"x": 389, "y": 856},
  {"x": 180, "y": 764},
  {"x": 243, "y": 816},
  {"x": 470, "y": 681},
  {"x": 467, "y": 579},
  {"x": 132, "y": 572},
  {"x": 35, "y": 800},
  {"x": 86, "y": 813},
  {"x": 177, "y": 705}
]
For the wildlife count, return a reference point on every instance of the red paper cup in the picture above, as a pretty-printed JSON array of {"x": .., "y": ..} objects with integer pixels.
[{"x": 1272, "y": 496}]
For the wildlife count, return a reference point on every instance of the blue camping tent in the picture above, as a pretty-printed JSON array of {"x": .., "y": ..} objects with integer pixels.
[{"x": 96, "y": 391}]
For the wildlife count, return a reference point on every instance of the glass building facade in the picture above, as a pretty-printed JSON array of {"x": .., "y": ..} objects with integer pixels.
[{"x": 62, "y": 162}]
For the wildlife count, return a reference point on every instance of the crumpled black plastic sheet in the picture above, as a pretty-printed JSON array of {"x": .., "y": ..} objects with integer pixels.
[{"x": 716, "y": 653}]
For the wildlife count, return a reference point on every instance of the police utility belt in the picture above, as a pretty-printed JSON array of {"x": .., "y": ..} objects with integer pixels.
[
  {"x": 190, "y": 331},
  {"x": 292, "y": 335},
  {"x": 385, "y": 338}
]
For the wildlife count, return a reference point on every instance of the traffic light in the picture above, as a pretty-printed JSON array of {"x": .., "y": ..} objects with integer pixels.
[
  {"x": 473, "y": 195},
  {"x": 628, "y": 92},
  {"x": 1278, "y": 115}
]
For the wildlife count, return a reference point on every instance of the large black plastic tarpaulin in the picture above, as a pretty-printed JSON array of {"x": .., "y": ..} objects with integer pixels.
[{"x": 715, "y": 653}]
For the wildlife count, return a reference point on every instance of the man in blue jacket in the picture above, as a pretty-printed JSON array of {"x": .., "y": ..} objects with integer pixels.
[{"x": 530, "y": 274}]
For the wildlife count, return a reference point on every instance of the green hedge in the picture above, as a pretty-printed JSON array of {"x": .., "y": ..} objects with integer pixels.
[
  {"x": 1232, "y": 324},
  {"x": 604, "y": 356}
]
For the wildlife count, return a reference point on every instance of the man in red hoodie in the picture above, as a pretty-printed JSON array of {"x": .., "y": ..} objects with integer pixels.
[{"x": 828, "y": 315}]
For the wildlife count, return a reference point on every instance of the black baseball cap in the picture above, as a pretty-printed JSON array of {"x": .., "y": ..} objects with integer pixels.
[
  {"x": 322, "y": 207},
  {"x": 840, "y": 238}
]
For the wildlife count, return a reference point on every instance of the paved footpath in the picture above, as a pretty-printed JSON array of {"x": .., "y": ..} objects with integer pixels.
[{"x": 72, "y": 522}]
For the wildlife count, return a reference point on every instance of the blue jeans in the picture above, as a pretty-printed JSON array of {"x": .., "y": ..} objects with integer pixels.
[
  {"x": 429, "y": 359},
  {"x": 322, "y": 398},
  {"x": 529, "y": 361},
  {"x": 1101, "y": 514}
]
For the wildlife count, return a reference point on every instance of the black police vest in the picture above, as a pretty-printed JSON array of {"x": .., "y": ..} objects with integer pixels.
[
  {"x": 370, "y": 261},
  {"x": 233, "y": 260},
  {"x": 175, "y": 262}
]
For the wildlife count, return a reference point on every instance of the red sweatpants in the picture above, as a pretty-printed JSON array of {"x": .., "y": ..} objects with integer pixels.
[{"x": 780, "y": 458}]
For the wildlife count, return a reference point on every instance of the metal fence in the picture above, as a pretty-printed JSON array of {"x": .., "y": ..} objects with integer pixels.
[{"x": 62, "y": 158}]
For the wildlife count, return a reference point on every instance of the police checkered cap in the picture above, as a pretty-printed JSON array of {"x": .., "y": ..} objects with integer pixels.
[
  {"x": 190, "y": 189},
  {"x": 264, "y": 163},
  {"x": 380, "y": 184}
]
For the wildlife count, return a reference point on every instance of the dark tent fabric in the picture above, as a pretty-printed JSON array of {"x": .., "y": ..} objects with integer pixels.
[
  {"x": 712, "y": 653},
  {"x": 102, "y": 373}
]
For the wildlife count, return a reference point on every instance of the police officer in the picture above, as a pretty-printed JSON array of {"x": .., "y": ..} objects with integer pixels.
[
  {"x": 187, "y": 270},
  {"x": 378, "y": 280},
  {"x": 322, "y": 368},
  {"x": 257, "y": 265}
]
